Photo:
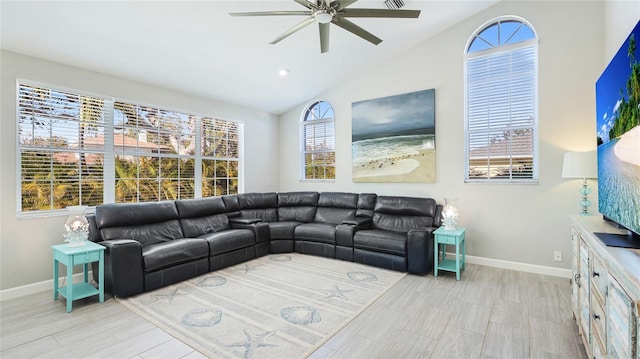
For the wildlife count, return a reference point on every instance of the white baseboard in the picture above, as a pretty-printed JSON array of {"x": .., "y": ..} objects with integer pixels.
[
  {"x": 522, "y": 267},
  {"x": 489, "y": 262},
  {"x": 32, "y": 288}
]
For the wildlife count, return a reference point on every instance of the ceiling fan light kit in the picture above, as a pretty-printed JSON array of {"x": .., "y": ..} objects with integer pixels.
[
  {"x": 326, "y": 11},
  {"x": 323, "y": 16}
]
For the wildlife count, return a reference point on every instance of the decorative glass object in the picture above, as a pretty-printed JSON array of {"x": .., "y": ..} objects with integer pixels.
[
  {"x": 450, "y": 213},
  {"x": 581, "y": 165},
  {"x": 77, "y": 226}
]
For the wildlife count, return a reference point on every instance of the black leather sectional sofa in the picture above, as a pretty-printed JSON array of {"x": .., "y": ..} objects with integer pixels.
[{"x": 151, "y": 245}]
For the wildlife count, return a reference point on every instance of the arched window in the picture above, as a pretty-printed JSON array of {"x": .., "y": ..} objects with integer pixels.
[
  {"x": 317, "y": 142},
  {"x": 501, "y": 102}
]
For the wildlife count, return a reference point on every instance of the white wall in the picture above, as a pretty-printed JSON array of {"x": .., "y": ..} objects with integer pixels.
[
  {"x": 520, "y": 223},
  {"x": 25, "y": 252},
  {"x": 620, "y": 17}
]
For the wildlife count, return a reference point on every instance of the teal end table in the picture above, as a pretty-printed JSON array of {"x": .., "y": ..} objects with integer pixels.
[
  {"x": 454, "y": 237},
  {"x": 71, "y": 256}
]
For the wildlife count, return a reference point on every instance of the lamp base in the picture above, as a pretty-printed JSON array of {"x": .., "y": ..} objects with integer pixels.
[{"x": 585, "y": 203}]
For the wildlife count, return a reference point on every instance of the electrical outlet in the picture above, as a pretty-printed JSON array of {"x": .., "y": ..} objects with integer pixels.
[{"x": 557, "y": 256}]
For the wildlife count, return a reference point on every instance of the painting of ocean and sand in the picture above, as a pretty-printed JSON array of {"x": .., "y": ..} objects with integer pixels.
[{"x": 393, "y": 138}]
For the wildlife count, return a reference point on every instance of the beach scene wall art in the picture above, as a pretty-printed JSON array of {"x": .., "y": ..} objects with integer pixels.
[
  {"x": 618, "y": 135},
  {"x": 394, "y": 138}
]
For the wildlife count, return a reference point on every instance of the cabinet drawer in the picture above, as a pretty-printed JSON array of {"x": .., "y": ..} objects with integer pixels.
[
  {"x": 599, "y": 276},
  {"x": 86, "y": 257},
  {"x": 446, "y": 239}
]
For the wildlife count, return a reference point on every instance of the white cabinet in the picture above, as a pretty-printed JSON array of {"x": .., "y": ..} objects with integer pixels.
[{"x": 605, "y": 291}]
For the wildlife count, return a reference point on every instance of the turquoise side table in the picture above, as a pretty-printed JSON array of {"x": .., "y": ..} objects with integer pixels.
[
  {"x": 454, "y": 237},
  {"x": 71, "y": 256}
]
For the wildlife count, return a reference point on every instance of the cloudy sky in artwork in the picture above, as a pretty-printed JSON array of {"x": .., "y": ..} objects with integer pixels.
[{"x": 394, "y": 114}]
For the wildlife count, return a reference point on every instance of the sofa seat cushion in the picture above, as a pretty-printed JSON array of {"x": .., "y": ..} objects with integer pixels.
[
  {"x": 377, "y": 240},
  {"x": 282, "y": 230},
  {"x": 316, "y": 232},
  {"x": 170, "y": 253},
  {"x": 229, "y": 240}
]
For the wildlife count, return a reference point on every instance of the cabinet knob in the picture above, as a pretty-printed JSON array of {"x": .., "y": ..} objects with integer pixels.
[
  {"x": 596, "y": 317},
  {"x": 596, "y": 274},
  {"x": 577, "y": 280}
]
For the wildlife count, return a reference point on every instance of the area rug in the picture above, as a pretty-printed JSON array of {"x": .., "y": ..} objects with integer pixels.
[{"x": 277, "y": 306}]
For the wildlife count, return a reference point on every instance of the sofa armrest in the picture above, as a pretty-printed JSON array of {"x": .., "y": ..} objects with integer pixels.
[
  {"x": 243, "y": 220},
  {"x": 420, "y": 250},
  {"x": 359, "y": 222},
  {"x": 123, "y": 267},
  {"x": 344, "y": 235},
  {"x": 260, "y": 229}
]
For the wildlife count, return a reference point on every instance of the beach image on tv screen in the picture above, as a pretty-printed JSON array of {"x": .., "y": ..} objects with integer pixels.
[{"x": 618, "y": 131}]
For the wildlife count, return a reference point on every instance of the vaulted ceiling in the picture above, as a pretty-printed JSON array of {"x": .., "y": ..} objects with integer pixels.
[{"x": 196, "y": 47}]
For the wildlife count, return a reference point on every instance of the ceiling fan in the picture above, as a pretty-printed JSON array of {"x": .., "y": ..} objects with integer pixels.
[{"x": 326, "y": 11}]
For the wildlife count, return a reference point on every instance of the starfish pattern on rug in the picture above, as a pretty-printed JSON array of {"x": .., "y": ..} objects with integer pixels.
[
  {"x": 246, "y": 268},
  {"x": 336, "y": 292},
  {"x": 254, "y": 341},
  {"x": 169, "y": 296}
]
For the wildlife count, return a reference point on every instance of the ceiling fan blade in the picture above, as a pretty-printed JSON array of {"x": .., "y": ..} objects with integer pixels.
[
  {"x": 341, "y": 4},
  {"x": 305, "y": 3},
  {"x": 379, "y": 13},
  {"x": 297, "y": 27},
  {"x": 324, "y": 38},
  {"x": 271, "y": 13},
  {"x": 351, "y": 27}
]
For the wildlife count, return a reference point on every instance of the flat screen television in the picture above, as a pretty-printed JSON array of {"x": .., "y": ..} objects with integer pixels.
[{"x": 618, "y": 136}]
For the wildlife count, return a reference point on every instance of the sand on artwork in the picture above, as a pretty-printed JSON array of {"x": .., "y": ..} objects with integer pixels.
[
  {"x": 416, "y": 167},
  {"x": 627, "y": 148}
]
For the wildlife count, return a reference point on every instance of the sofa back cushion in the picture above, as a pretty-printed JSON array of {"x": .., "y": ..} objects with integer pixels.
[
  {"x": 147, "y": 223},
  {"x": 401, "y": 214},
  {"x": 297, "y": 206},
  {"x": 259, "y": 205},
  {"x": 231, "y": 204},
  {"x": 203, "y": 215},
  {"x": 334, "y": 207},
  {"x": 366, "y": 204}
]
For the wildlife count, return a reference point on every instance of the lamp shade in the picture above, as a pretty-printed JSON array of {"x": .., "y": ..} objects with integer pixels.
[{"x": 580, "y": 165}]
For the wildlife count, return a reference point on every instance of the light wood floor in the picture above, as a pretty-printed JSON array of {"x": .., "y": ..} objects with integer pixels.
[{"x": 489, "y": 313}]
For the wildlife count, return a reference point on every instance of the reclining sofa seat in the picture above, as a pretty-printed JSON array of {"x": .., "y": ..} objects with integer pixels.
[
  {"x": 318, "y": 237},
  {"x": 294, "y": 209},
  {"x": 230, "y": 242},
  {"x": 401, "y": 234},
  {"x": 146, "y": 248}
]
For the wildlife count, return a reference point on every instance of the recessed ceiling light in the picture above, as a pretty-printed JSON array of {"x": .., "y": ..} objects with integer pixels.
[{"x": 284, "y": 72}]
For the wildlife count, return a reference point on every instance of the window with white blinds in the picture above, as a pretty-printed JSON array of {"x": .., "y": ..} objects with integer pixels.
[
  {"x": 220, "y": 157},
  {"x": 317, "y": 140},
  {"x": 61, "y": 163},
  {"x": 501, "y": 76},
  {"x": 76, "y": 149}
]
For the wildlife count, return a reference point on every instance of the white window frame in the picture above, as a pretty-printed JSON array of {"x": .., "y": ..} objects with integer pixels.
[
  {"x": 109, "y": 179},
  {"x": 303, "y": 123},
  {"x": 533, "y": 43}
]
